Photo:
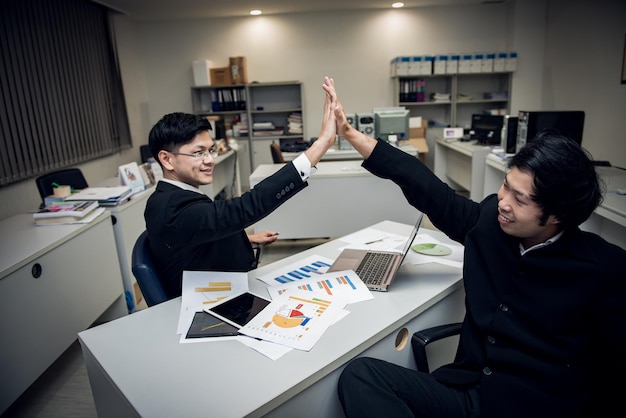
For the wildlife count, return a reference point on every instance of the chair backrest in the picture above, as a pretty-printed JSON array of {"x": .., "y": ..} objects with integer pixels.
[
  {"x": 277, "y": 154},
  {"x": 67, "y": 177},
  {"x": 145, "y": 272},
  {"x": 146, "y": 154}
]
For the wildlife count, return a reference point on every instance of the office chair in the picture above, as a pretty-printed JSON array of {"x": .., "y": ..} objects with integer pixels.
[
  {"x": 422, "y": 338},
  {"x": 145, "y": 272},
  {"x": 277, "y": 154},
  {"x": 146, "y": 155},
  {"x": 67, "y": 177}
]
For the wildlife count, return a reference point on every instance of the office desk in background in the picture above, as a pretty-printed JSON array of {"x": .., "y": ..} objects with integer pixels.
[
  {"x": 336, "y": 154},
  {"x": 608, "y": 220},
  {"x": 342, "y": 197},
  {"x": 461, "y": 165},
  {"x": 55, "y": 281},
  {"x": 137, "y": 367}
]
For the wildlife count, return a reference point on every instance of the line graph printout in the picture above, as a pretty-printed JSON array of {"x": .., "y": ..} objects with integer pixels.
[
  {"x": 345, "y": 284},
  {"x": 306, "y": 268},
  {"x": 295, "y": 320}
]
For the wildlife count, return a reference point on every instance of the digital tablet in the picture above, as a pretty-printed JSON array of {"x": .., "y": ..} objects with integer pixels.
[
  {"x": 205, "y": 325},
  {"x": 239, "y": 310}
]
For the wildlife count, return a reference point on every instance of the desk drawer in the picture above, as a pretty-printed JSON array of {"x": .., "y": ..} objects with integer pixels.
[{"x": 40, "y": 317}]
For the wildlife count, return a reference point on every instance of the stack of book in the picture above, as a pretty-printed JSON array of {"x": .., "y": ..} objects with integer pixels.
[
  {"x": 266, "y": 129},
  {"x": 59, "y": 213},
  {"x": 440, "y": 97},
  {"x": 294, "y": 124},
  {"x": 105, "y": 196}
]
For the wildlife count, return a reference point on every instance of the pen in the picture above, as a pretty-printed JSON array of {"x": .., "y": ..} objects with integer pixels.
[{"x": 376, "y": 240}]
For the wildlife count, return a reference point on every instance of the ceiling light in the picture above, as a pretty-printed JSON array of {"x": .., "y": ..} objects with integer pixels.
[
  {"x": 255, "y": 12},
  {"x": 397, "y": 5}
]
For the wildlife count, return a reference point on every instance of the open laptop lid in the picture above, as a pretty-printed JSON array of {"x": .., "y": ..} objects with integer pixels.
[{"x": 408, "y": 243}]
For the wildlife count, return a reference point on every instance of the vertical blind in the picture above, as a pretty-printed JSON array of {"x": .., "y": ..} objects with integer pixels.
[{"x": 61, "y": 95}]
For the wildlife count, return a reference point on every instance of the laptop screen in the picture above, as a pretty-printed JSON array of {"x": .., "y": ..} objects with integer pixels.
[{"x": 408, "y": 243}]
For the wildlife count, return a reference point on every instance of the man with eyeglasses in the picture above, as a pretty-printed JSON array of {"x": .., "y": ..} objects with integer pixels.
[{"x": 187, "y": 230}]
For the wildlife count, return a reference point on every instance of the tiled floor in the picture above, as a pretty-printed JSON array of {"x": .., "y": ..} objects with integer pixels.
[{"x": 63, "y": 391}]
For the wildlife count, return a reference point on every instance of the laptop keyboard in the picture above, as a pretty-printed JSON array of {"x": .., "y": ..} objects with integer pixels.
[{"x": 373, "y": 267}]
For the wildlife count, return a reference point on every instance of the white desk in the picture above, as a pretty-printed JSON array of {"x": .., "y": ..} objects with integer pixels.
[
  {"x": 137, "y": 367},
  {"x": 341, "y": 197},
  {"x": 608, "y": 220},
  {"x": 461, "y": 165},
  {"x": 55, "y": 281},
  {"x": 336, "y": 154}
]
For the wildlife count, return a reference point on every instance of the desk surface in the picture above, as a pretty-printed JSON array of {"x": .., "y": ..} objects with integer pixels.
[
  {"x": 157, "y": 376},
  {"x": 22, "y": 241}
]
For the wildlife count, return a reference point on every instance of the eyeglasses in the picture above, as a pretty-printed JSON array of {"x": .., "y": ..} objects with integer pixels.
[{"x": 200, "y": 155}]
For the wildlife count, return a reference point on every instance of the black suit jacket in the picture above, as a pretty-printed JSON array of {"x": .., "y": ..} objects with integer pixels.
[
  {"x": 190, "y": 231},
  {"x": 545, "y": 332}
]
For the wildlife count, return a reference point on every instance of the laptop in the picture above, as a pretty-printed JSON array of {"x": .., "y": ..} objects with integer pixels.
[{"x": 375, "y": 268}]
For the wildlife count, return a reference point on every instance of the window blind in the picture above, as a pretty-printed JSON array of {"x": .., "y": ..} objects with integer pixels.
[{"x": 62, "y": 101}]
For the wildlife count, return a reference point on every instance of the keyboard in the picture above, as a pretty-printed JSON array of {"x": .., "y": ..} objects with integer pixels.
[{"x": 373, "y": 267}]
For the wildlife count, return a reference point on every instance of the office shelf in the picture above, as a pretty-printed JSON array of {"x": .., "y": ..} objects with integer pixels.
[
  {"x": 257, "y": 103},
  {"x": 466, "y": 92}
]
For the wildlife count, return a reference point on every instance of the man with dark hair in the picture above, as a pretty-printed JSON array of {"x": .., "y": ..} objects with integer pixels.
[
  {"x": 544, "y": 333},
  {"x": 187, "y": 230}
]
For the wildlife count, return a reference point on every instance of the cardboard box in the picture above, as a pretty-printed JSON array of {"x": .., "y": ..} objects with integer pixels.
[
  {"x": 511, "y": 62},
  {"x": 415, "y": 65},
  {"x": 427, "y": 65},
  {"x": 499, "y": 61},
  {"x": 476, "y": 63},
  {"x": 465, "y": 63},
  {"x": 238, "y": 70},
  {"x": 201, "y": 74},
  {"x": 402, "y": 66},
  {"x": 220, "y": 76},
  {"x": 452, "y": 66},
  {"x": 417, "y": 137},
  {"x": 487, "y": 65},
  {"x": 440, "y": 63},
  {"x": 422, "y": 147},
  {"x": 417, "y": 132}
]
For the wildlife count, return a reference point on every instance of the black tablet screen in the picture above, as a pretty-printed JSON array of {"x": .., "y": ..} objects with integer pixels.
[{"x": 241, "y": 309}]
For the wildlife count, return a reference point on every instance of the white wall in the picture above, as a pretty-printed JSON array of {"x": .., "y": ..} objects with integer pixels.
[
  {"x": 354, "y": 48},
  {"x": 552, "y": 37}
]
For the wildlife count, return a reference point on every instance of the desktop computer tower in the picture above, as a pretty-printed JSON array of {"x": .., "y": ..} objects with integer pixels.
[
  {"x": 365, "y": 123},
  {"x": 509, "y": 134},
  {"x": 343, "y": 143},
  {"x": 568, "y": 123}
]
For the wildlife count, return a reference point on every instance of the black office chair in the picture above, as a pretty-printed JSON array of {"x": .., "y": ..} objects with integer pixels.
[
  {"x": 145, "y": 272},
  {"x": 422, "y": 338},
  {"x": 146, "y": 155},
  {"x": 277, "y": 154},
  {"x": 66, "y": 177}
]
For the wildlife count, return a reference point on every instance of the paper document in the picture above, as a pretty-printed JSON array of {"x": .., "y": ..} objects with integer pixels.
[
  {"x": 295, "y": 320},
  {"x": 303, "y": 269},
  {"x": 201, "y": 289},
  {"x": 345, "y": 284}
]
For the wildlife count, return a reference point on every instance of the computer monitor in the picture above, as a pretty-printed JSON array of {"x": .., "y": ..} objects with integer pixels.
[{"x": 392, "y": 122}]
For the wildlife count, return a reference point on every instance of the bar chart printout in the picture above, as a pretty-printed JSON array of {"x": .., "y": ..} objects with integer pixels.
[
  {"x": 345, "y": 284},
  {"x": 302, "y": 269}
]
